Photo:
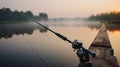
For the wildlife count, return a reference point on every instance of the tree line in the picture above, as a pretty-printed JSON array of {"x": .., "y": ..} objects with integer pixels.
[
  {"x": 112, "y": 17},
  {"x": 6, "y": 14}
]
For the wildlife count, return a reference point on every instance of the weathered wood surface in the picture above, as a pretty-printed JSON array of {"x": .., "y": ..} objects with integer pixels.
[{"x": 103, "y": 49}]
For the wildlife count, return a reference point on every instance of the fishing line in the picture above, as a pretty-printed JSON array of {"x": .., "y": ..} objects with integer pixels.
[{"x": 34, "y": 51}]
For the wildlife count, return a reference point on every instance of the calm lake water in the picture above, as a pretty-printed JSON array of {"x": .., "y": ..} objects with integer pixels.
[{"x": 16, "y": 41}]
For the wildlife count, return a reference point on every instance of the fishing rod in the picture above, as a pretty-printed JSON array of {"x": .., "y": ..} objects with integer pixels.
[
  {"x": 57, "y": 34},
  {"x": 82, "y": 53},
  {"x": 74, "y": 45}
]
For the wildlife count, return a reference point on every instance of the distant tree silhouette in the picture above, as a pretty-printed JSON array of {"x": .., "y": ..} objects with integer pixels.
[
  {"x": 7, "y": 15},
  {"x": 29, "y": 13},
  {"x": 43, "y": 16},
  {"x": 112, "y": 16}
]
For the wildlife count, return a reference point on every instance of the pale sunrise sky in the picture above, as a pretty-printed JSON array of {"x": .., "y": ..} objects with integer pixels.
[{"x": 63, "y": 8}]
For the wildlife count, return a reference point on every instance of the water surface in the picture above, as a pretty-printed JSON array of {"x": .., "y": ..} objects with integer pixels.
[{"x": 16, "y": 41}]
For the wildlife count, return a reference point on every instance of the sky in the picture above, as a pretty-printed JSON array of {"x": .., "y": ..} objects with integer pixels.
[{"x": 63, "y": 8}]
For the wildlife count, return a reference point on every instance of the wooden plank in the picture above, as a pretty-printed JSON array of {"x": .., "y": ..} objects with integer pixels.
[{"x": 103, "y": 49}]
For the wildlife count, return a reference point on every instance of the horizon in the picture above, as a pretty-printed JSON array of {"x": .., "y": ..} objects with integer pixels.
[{"x": 63, "y": 9}]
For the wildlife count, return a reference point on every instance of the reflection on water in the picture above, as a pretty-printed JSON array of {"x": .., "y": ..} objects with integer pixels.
[
  {"x": 15, "y": 51},
  {"x": 8, "y": 30}
]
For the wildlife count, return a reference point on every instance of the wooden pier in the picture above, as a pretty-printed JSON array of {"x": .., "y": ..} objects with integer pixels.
[{"x": 103, "y": 49}]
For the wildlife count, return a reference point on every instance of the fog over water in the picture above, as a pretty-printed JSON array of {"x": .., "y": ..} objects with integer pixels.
[{"x": 15, "y": 41}]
